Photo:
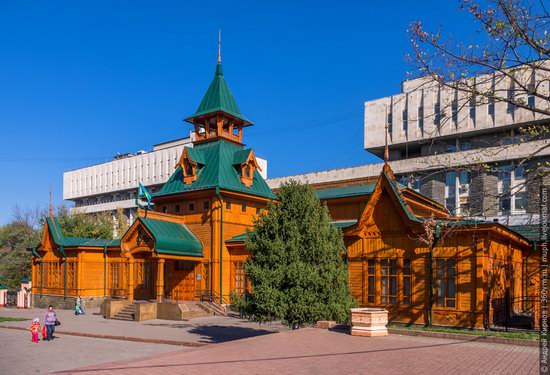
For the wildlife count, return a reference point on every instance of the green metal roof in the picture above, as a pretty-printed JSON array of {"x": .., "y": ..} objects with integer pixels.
[
  {"x": 530, "y": 231},
  {"x": 241, "y": 156},
  {"x": 238, "y": 238},
  {"x": 343, "y": 224},
  {"x": 172, "y": 238},
  {"x": 345, "y": 191},
  {"x": 61, "y": 240},
  {"x": 218, "y": 98},
  {"x": 216, "y": 169}
]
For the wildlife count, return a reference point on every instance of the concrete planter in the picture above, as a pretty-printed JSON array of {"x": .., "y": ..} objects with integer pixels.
[{"x": 369, "y": 322}]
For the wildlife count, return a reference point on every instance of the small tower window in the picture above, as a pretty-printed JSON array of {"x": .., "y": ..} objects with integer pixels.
[
  {"x": 191, "y": 206},
  {"x": 247, "y": 174},
  {"x": 189, "y": 169},
  {"x": 177, "y": 208},
  {"x": 205, "y": 205}
]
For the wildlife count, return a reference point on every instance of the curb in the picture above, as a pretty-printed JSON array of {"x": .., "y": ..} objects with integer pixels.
[
  {"x": 465, "y": 337},
  {"x": 123, "y": 338}
]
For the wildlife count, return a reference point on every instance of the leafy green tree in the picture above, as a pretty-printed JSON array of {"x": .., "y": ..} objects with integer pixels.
[
  {"x": 25, "y": 230},
  {"x": 95, "y": 225},
  {"x": 297, "y": 269},
  {"x": 15, "y": 238}
]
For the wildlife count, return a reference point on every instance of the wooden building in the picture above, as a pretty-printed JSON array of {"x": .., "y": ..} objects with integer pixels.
[
  {"x": 177, "y": 251},
  {"x": 405, "y": 252}
]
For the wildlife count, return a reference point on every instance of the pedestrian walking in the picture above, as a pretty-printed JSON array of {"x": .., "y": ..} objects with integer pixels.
[
  {"x": 50, "y": 321},
  {"x": 79, "y": 304}
]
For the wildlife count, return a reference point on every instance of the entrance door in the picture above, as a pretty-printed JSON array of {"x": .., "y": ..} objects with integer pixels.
[
  {"x": 184, "y": 280},
  {"x": 143, "y": 281}
]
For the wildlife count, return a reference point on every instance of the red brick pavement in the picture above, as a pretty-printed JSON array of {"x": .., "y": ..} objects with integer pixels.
[{"x": 316, "y": 351}]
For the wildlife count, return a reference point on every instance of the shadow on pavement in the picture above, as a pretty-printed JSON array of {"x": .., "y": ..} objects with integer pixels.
[
  {"x": 217, "y": 333},
  {"x": 170, "y": 325}
]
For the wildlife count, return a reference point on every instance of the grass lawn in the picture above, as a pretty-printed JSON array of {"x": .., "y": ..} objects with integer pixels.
[
  {"x": 10, "y": 319},
  {"x": 511, "y": 335}
]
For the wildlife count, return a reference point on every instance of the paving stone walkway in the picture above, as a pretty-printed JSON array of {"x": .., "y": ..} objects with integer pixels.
[
  {"x": 206, "y": 330},
  {"x": 316, "y": 351},
  {"x": 20, "y": 356}
]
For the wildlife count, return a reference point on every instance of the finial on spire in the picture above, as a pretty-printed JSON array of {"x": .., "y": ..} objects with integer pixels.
[
  {"x": 386, "y": 150},
  {"x": 219, "y": 46},
  {"x": 51, "y": 205}
]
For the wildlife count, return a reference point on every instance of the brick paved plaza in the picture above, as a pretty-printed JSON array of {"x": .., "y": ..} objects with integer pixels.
[
  {"x": 305, "y": 351},
  {"x": 315, "y": 351}
]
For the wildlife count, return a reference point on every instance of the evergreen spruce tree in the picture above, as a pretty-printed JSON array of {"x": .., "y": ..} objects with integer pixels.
[{"x": 297, "y": 268}]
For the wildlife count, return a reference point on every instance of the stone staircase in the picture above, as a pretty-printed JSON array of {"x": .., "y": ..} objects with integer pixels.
[
  {"x": 127, "y": 313},
  {"x": 194, "y": 309},
  {"x": 214, "y": 308}
]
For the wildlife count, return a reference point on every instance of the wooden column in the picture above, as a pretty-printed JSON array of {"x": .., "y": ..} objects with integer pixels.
[
  {"x": 160, "y": 279},
  {"x": 131, "y": 279}
]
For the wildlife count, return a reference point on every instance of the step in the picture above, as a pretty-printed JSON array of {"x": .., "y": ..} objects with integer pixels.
[{"x": 125, "y": 316}]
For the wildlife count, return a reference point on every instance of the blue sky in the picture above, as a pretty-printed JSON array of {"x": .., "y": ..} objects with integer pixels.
[{"x": 81, "y": 81}]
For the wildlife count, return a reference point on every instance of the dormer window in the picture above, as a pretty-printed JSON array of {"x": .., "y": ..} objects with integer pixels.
[
  {"x": 188, "y": 167},
  {"x": 247, "y": 173},
  {"x": 189, "y": 171},
  {"x": 246, "y": 164}
]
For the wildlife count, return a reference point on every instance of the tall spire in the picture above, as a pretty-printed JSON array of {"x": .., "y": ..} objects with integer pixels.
[
  {"x": 51, "y": 205},
  {"x": 386, "y": 150},
  {"x": 219, "y": 46}
]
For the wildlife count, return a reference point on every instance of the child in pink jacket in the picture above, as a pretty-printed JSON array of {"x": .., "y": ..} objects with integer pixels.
[{"x": 35, "y": 328}]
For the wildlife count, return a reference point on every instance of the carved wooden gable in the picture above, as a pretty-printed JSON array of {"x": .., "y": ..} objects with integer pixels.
[{"x": 384, "y": 213}]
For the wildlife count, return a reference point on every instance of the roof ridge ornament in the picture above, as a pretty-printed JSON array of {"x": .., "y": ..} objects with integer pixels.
[
  {"x": 219, "y": 46},
  {"x": 386, "y": 150},
  {"x": 51, "y": 205},
  {"x": 387, "y": 168}
]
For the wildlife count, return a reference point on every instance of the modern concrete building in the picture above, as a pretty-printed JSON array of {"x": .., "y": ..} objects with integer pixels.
[
  {"x": 470, "y": 155},
  {"x": 474, "y": 156},
  {"x": 113, "y": 185}
]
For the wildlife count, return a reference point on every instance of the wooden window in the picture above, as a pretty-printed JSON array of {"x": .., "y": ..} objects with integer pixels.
[
  {"x": 165, "y": 209},
  {"x": 177, "y": 209},
  {"x": 189, "y": 169},
  {"x": 406, "y": 281},
  {"x": 370, "y": 280},
  {"x": 71, "y": 275},
  {"x": 51, "y": 273},
  {"x": 258, "y": 211},
  {"x": 191, "y": 206},
  {"x": 227, "y": 205},
  {"x": 114, "y": 274},
  {"x": 445, "y": 282},
  {"x": 205, "y": 205},
  {"x": 388, "y": 281},
  {"x": 241, "y": 280},
  {"x": 243, "y": 207}
]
